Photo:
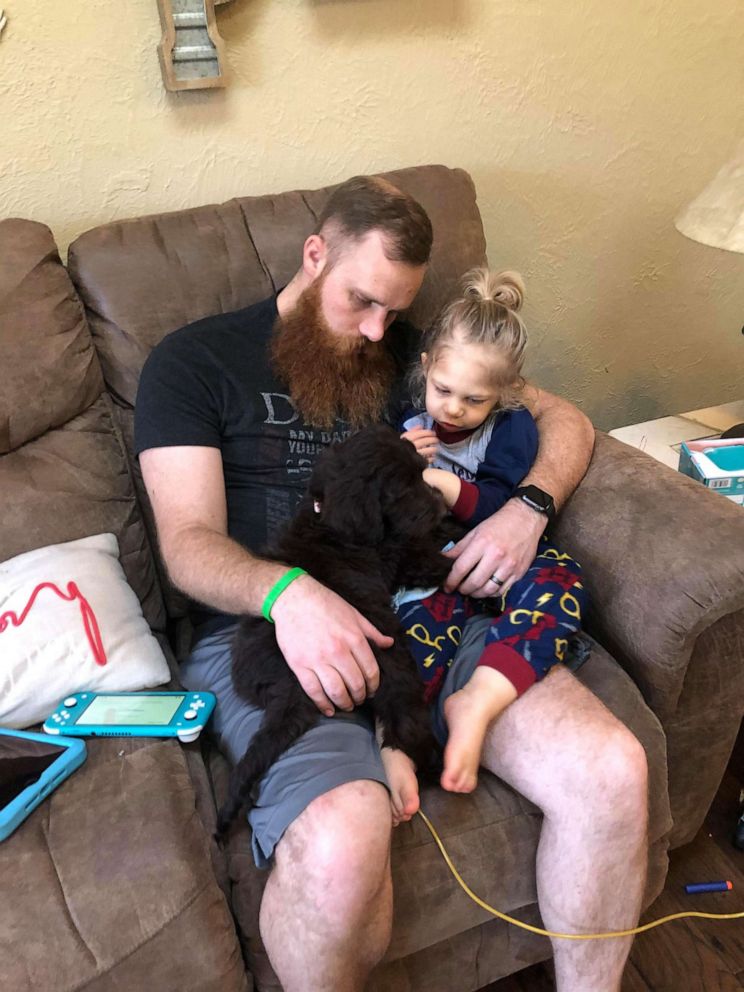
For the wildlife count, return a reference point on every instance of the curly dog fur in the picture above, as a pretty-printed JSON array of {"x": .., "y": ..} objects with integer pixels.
[{"x": 368, "y": 525}]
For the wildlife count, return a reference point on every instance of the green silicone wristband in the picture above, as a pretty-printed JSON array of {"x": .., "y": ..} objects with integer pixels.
[{"x": 277, "y": 589}]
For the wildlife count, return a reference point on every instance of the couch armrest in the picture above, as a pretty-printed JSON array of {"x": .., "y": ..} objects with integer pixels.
[
  {"x": 664, "y": 566},
  {"x": 663, "y": 560}
]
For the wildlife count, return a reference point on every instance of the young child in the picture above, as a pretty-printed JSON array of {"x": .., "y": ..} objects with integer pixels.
[{"x": 480, "y": 443}]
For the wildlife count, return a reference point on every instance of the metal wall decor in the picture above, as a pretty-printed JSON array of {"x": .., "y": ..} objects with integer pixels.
[{"x": 191, "y": 51}]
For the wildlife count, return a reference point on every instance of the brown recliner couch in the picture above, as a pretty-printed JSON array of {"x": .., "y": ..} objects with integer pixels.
[{"x": 114, "y": 883}]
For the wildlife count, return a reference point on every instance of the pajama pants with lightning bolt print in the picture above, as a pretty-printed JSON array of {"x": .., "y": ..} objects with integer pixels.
[{"x": 529, "y": 627}]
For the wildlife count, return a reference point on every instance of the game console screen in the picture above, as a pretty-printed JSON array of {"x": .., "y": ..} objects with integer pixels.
[{"x": 141, "y": 710}]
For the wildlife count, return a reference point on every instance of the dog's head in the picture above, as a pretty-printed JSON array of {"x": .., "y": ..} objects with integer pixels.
[{"x": 370, "y": 488}]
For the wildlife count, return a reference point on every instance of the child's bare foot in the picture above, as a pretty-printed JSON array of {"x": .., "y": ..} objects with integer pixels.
[
  {"x": 401, "y": 776},
  {"x": 468, "y": 713}
]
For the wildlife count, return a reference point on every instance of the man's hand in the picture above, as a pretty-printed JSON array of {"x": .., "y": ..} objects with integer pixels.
[
  {"x": 424, "y": 441},
  {"x": 504, "y": 545},
  {"x": 325, "y": 642}
]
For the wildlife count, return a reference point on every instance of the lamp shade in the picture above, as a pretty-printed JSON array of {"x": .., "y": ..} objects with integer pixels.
[{"x": 716, "y": 217}]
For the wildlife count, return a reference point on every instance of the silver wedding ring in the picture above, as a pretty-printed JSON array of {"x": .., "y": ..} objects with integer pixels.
[{"x": 496, "y": 580}]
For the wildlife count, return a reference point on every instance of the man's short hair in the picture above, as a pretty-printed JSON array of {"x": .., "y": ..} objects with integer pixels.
[{"x": 368, "y": 203}]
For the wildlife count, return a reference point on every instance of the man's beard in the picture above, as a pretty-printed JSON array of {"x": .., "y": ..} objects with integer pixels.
[{"x": 329, "y": 375}]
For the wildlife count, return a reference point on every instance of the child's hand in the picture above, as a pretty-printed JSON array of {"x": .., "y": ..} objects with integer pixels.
[
  {"x": 424, "y": 441},
  {"x": 447, "y": 483}
]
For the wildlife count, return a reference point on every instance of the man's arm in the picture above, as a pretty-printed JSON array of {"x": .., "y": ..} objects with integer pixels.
[
  {"x": 187, "y": 493},
  {"x": 566, "y": 445},
  {"x": 324, "y": 640},
  {"x": 505, "y": 545}
]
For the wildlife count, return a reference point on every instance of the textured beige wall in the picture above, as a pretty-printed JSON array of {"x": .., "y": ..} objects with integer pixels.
[{"x": 585, "y": 127}]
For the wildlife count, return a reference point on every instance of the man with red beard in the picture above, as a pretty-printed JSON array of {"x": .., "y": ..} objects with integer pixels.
[{"x": 231, "y": 413}]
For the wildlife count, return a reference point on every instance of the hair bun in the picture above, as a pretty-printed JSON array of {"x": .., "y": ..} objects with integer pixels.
[{"x": 506, "y": 288}]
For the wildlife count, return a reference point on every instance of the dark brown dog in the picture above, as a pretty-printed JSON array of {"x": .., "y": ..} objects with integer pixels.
[{"x": 368, "y": 525}]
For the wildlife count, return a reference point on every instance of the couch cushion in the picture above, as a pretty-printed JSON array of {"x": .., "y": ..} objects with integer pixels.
[
  {"x": 141, "y": 279},
  {"x": 111, "y": 883},
  {"x": 71, "y": 482},
  {"x": 50, "y": 370},
  {"x": 491, "y": 836},
  {"x": 63, "y": 466}
]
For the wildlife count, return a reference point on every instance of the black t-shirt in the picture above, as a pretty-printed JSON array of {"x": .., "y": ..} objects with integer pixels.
[{"x": 211, "y": 384}]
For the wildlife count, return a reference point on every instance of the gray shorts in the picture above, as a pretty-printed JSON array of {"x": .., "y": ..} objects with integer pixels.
[{"x": 337, "y": 750}]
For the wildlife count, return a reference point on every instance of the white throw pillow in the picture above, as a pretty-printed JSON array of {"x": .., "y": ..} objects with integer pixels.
[{"x": 55, "y": 649}]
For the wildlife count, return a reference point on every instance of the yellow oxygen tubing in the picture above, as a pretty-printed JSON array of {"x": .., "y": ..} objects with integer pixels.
[{"x": 566, "y": 936}]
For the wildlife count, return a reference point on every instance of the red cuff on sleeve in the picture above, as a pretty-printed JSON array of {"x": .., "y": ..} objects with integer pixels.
[
  {"x": 512, "y": 666},
  {"x": 467, "y": 501}
]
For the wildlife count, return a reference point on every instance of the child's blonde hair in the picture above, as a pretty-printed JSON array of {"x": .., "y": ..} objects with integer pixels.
[{"x": 485, "y": 313}]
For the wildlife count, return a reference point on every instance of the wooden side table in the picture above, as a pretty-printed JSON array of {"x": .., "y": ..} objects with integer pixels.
[{"x": 663, "y": 438}]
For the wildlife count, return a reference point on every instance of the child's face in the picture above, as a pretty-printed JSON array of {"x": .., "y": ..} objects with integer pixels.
[{"x": 460, "y": 390}]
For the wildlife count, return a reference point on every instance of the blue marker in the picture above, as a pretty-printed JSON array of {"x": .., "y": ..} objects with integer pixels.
[{"x": 709, "y": 887}]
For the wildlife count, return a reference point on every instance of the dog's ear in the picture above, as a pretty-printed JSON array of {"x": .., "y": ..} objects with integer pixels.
[{"x": 349, "y": 494}]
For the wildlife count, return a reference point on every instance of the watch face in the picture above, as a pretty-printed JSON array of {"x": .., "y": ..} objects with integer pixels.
[{"x": 536, "y": 497}]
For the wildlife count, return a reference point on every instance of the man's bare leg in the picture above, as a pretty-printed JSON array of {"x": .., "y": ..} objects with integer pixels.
[
  {"x": 559, "y": 746},
  {"x": 326, "y": 913}
]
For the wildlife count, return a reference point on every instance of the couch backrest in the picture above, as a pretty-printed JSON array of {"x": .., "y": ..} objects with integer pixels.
[
  {"x": 142, "y": 278},
  {"x": 63, "y": 466}
]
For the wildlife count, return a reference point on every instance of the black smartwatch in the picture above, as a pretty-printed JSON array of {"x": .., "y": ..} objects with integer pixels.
[{"x": 538, "y": 499}]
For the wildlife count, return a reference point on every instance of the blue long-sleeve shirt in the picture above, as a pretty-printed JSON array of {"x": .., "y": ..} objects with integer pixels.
[{"x": 490, "y": 460}]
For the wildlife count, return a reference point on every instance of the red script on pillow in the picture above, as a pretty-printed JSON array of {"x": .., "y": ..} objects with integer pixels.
[{"x": 86, "y": 611}]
